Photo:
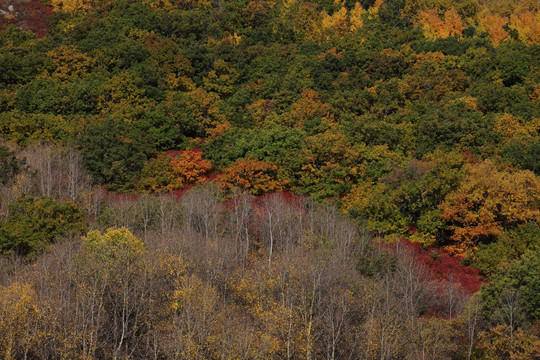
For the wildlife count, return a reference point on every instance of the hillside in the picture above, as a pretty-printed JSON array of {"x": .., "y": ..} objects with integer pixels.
[{"x": 270, "y": 179}]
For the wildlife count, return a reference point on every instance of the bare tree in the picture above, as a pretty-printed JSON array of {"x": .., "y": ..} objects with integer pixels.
[
  {"x": 43, "y": 159},
  {"x": 201, "y": 208},
  {"x": 76, "y": 177}
]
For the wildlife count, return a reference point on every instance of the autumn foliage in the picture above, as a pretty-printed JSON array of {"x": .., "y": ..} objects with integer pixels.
[
  {"x": 435, "y": 27},
  {"x": 488, "y": 202},
  {"x": 269, "y": 179},
  {"x": 253, "y": 175},
  {"x": 168, "y": 173}
]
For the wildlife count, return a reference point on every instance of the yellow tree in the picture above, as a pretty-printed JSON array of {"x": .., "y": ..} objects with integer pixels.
[
  {"x": 122, "y": 96},
  {"x": 514, "y": 128},
  {"x": 328, "y": 163},
  {"x": 69, "y": 62},
  {"x": 221, "y": 79},
  {"x": 70, "y": 6},
  {"x": 502, "y": 342},
  {"x": 19, "y": 314},
  {"x": 112, "y": 279}
]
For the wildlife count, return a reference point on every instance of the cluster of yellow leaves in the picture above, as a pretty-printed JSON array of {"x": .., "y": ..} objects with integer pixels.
[
  {"x": 260, "y": 111},
  {"x": 514, "y": 128},
  {"x": 487, "y": 202},
  {"x": 193, "y": 3},
  {"x": 194, "y": 304},
  {"x": 121, "y": 96},
  {"x": 329, "y": 162},
  {"x": 508, "y": 7},
  {"x": 343, "y": 22},
  {"x": 307, "y": 108},
  {"x": 18, "y": 315},
  {"x": 434, "y": 75},
  {"x": 205, "y": 109},
  {"x": 434, "y": 27},
  {"x": 69, "y": 63},
  {"x": 114, "y": 245},
  {"x": 177, "y": 69},
  {"x": 221, "y": 79},
  {"x": 160, "y": 4},
  {"x": 256, "y": 176},
  {"x": 526, "y": 24},
  {"x": 70, "y": 6},
  {"x": 167, "y": 5},
  {"x": 504, "y": 342}
]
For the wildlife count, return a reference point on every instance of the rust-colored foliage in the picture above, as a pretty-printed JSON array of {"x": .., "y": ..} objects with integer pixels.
[
  {"x": 32, "y": 15},
  {"x": 254, "y": 175},
  {"x": 190, "y": 167},
  {"x": 307, "y": 108},
  {"x": 442, "y": 265}
]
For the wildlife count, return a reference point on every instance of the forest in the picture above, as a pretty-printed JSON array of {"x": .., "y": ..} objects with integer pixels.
[{"x": 270, "y": 179}]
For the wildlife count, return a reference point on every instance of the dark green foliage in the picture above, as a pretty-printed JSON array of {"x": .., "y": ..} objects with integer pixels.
[
  {"x": 448, "y": 46},
  {"x": 508, "y": 248},
  {"x": 376, "y": 261},
  {"x": 453, "y": 125},
  {"x": 525, "y": 156},
  {"x": 115, "y": 151},
  {"x": 274, "y": 144},
  {"x": 48, "y": 95},
  {"x": 33, "y": 224},
  {"x": 161, "y": 124},
  {"x": 497, "y": 98},
  {"x": 513, "y": 62},
  {"x": 10, "y": 166}
]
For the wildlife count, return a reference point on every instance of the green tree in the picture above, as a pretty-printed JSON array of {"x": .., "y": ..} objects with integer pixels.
[
  {"x": 512, "y": 297},
  {"x": 10, "y": 166},
  {"x": 115, "y": 152},
  {"x": 33, "y": 224}
]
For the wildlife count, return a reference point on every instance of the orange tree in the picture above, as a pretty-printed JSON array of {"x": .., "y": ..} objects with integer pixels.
[
  {"x": 256, "y": 176},
  {"x": 489, "y": 201},
  {"x": 166, "y": 173}
]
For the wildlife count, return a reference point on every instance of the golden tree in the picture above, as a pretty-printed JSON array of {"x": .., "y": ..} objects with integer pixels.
[{"x": 489, "y": 201}]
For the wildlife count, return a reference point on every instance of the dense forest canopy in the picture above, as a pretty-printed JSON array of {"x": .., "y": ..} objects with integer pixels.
[{"x": 269, "y": 179}]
